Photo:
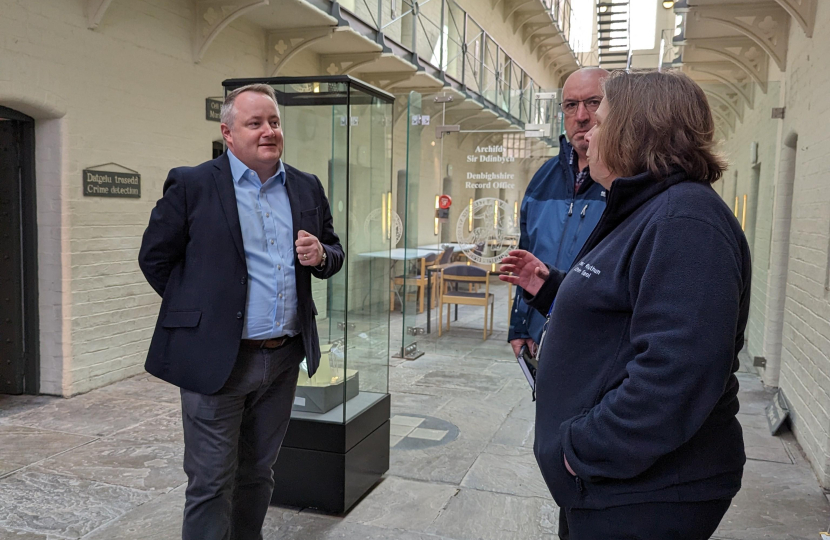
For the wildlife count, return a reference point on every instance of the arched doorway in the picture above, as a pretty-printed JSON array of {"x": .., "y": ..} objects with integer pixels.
[
  {"x": 779, "y": 260},
  {"x": 19, "y": 353}
]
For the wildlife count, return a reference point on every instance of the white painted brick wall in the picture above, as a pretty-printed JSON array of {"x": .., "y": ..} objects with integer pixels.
[
  {"x": 760, "y": 128},
  {"x": 805, "y": 358},
  {"x": 134, "y": 97}
]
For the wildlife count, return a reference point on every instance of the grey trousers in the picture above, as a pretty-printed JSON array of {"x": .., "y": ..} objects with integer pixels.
[{"x": 232, "y": 439}]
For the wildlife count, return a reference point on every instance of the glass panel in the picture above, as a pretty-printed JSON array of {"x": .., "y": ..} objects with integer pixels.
[
  {"x": 454, "y": 40},
  {"x": 563, "y": 17},
  {"x": 491, "y": 65},
  {"x": 411, "y": 265},
  {"x": 486, "y": 176},
  {"x": 369, "y": 195},
  {"x": 343, "y": 136},
  {"x": 429, "y": 35},
  {"x": 516, "y": 76},
  {"x": 315, "y": 115},
  {"x": 474, "y": 58},
  {"x": 505, "y": 65},
  {"x": 527, "y": 98},
  {"x": 366, "y": 10},
  {"x": 401, "y": 27}
]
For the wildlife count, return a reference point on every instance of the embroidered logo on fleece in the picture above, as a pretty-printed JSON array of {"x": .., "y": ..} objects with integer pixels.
[{"x": 586, "y": 270}]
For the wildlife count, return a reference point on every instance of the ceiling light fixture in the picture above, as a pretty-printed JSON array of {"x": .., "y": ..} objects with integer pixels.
[{"x": 668, "y": 4}]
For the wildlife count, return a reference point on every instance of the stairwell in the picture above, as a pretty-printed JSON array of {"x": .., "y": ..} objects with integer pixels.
[{"x": 613, "y": 33}]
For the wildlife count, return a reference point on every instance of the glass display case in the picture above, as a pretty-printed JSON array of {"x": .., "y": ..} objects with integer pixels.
[{"x": 337, "y": 444}]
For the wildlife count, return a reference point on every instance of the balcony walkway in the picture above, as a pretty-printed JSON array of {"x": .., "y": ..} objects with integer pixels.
[{"x": 107, "y": 464}]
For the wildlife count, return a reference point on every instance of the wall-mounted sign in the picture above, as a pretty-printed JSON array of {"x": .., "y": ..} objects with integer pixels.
[
  {"x": 212, "y": 108},
  {"x": 101, "y": 183}
]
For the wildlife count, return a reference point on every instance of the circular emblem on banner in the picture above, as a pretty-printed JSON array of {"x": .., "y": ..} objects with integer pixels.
[
  {"x": 491, "y": 229},
  {"x": 374, "y": 224},
  {"x": 444, "y": 202}
]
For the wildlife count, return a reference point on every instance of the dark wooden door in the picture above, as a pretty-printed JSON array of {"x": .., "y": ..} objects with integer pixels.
[
  {"x": 12, "y": 362},
  {"x": 19, "y": 345}
]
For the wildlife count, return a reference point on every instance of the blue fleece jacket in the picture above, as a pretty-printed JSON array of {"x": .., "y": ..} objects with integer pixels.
[
  {"x": 555, "y": 222},
  {"x": 636, "y": 383}
]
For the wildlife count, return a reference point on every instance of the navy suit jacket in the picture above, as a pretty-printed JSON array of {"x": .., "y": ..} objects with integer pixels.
[{"x": 193, "y": 257}]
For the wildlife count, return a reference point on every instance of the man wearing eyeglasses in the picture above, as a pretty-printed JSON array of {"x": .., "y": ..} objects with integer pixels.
[{"x": 561, "y": 206}]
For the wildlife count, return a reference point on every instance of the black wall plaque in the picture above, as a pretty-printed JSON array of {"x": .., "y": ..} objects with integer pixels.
[
  {"x": 112, "y": 184},
  {"x": 212, "y": 108},
  {"x": 777, "y": 412}
]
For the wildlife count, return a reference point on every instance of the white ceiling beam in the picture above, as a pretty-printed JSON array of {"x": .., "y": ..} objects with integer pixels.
[
  {"x": 765, "y": 23},
  {"x": 803, "y": 11},
  {"x": 723, "y": 102},
  {"x": 283, "y": 45},
  {"x": 740, "y": 50},
  {"x": 735, "y": 78},
  {"x": 213, "y": 16},
  {"x": 345, "y": 63}
]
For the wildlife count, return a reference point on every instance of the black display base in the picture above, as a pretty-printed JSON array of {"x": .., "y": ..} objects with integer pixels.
[{"x": 330, "y": 466}]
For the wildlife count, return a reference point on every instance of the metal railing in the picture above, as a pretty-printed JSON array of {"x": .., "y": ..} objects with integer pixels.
[
  {"x": 439, "y": 34},
  {"x": 561, "y": 12}
]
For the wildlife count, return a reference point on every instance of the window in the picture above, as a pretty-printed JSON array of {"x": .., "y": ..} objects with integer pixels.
[
  {"x": 516, "y": 146},
  {"x": 643, "y": 16}
]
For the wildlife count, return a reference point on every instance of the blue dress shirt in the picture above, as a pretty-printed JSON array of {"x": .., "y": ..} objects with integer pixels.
[{"x": 268, "y": 237}]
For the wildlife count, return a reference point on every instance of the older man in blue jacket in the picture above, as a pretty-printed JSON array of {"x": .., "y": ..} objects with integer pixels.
[{"x": 562, "y": 204}]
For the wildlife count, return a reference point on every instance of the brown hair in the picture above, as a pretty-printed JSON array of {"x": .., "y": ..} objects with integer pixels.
[
  {"x": 226, "y": 112},
  {"x": 658, "y": 122}
]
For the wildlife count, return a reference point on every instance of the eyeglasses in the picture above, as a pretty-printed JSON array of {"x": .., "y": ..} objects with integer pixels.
[{"x": 570, "y": 106}]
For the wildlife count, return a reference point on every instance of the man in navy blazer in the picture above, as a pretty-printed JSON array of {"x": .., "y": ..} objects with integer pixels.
[{"x": 231, "y": 248}]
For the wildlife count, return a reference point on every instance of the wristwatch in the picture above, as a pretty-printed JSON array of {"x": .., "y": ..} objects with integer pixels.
[{"x": 322, "y": 264}]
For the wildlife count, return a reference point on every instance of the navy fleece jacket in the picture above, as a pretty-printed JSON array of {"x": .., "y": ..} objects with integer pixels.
[{"x": 636, "y": 382}]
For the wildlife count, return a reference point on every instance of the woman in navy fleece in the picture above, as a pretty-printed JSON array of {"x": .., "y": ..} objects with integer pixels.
[{"x": 636, "y": 433}]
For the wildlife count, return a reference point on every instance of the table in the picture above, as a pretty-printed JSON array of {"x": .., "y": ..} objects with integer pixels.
[
  {"x": 439, "y": 267},
  {"x": 400, "y": 254},
  {"x": 456, "y": 247}
]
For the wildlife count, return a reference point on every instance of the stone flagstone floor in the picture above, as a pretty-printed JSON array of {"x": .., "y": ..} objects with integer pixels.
[{"x": 107, "y": 464}]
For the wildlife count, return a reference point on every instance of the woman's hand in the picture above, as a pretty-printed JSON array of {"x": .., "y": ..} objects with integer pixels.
[
  {"x": 526, "y": 271},
  {"x": 568, "y": 466}
]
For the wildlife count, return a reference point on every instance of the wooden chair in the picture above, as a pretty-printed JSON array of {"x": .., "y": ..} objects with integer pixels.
[
  {"x": 446, "y": 255},
  {"x": 417, "y": 279},
  {"x": 444, "y": 259},
  {"x": 473, "y": 275}
]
